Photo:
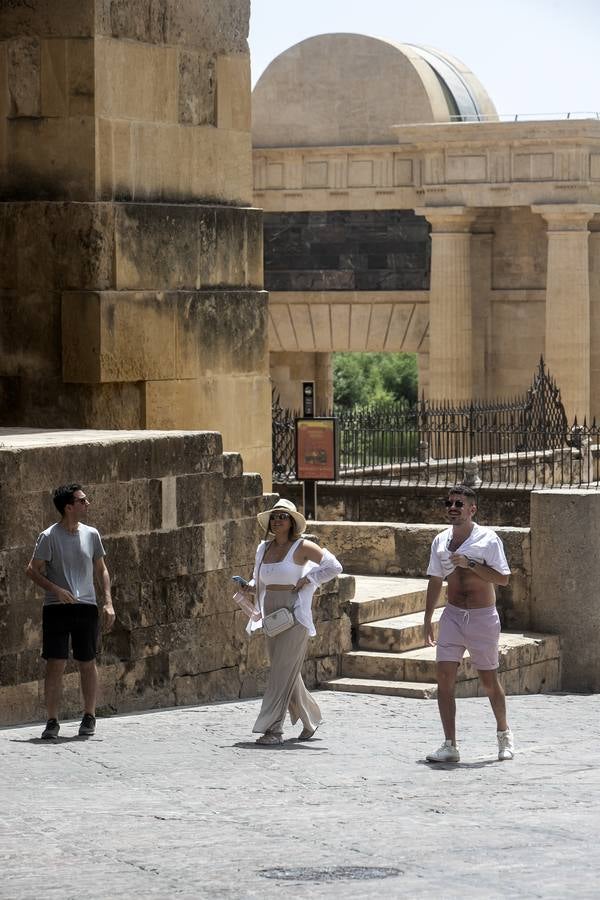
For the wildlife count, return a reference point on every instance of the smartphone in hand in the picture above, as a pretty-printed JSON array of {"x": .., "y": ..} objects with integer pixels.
[{"x": 241, "y": 582}]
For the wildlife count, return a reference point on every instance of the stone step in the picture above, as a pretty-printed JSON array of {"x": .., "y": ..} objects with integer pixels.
[
  {"x": 517, "y": 649},
  {"x": 379, "y": 686},
  {"x": 397, "y": 634},
  {"x": 529, "y": 664},
  {"x": 378, "y": 597}
]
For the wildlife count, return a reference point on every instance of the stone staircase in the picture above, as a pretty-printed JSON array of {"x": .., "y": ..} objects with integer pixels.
[{"x": 389, "y": 656}]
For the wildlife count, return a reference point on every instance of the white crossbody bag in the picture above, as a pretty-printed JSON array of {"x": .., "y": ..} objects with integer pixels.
[{"x": 279, "y": 620}]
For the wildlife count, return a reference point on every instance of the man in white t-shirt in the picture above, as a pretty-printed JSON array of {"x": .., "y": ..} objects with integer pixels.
[{"x": 470, "y": 557}]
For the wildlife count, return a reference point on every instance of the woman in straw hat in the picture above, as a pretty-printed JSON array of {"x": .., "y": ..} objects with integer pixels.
[{"x": 287, "y": 570}]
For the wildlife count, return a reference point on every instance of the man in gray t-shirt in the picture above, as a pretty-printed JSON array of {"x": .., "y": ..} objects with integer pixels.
[
  {"x": 70, "y": 558},
  {"x": 66, "y": 558}
]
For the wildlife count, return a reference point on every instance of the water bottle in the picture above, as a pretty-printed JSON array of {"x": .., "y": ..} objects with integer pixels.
[{"x": 247, "y": 605}]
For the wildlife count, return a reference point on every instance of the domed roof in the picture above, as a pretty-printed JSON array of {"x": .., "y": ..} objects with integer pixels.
[{"x": 348, "y": 89}]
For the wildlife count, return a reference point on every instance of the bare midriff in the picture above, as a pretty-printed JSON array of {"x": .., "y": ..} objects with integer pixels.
[{"x": 467, "y": 591}]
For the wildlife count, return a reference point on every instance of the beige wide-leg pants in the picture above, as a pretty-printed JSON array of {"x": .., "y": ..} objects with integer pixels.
[{"x": 286, "y": 689}]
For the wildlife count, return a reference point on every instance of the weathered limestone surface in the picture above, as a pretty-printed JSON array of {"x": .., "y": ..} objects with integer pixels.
[
  {"x": 564, "y": 579},
  {"x": 110, "y": 336},
  {"x": 129, "y": 246},
  {"x": 178, "y": 519},
  {"x": 78, "y": 126},
  {"x": 394, "y": 503},
  {"x": 131, "y": 265}
]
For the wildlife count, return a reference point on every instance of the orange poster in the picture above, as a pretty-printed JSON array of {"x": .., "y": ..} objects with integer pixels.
[{"x": 315, "y": 449}]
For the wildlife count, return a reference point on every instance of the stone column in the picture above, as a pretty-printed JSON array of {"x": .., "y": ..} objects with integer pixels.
[
  {"x": 568, "y": 303},
  {"x": 481, "y": 282},
  {"x": 565, "y": 573},
  {"x": 450, "y": 304},
  {"x": 594, "y": 250},
  {"x": 323, "y": 383}
]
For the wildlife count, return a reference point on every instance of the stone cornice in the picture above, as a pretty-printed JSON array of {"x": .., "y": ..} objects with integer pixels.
[
  {"x": 573, "y": 131},
  {"x": 570, "y": 131}
]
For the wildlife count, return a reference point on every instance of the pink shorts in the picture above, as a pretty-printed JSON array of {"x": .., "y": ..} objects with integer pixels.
[{"x": 475, "y": 630}]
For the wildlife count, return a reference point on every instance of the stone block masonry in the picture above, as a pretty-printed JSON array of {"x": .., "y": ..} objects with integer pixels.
[
  {"x": 374, "y": 250},
  {"x": 178, "y": 519},
  {"x": 131, "y": 273},
  {"x": 565, "y": 577},
  {"x": 77, "y": 124}
]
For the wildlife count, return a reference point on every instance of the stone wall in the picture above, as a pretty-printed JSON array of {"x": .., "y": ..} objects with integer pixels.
[
  {"x": 565, "y": 577},
  {"x": 77, "y": 125},
  {"x": 393, "y": 549},
  {"x": 131, "y": 274},
  {"x": 178, "y": 519},
  {"x": 374, "y": 250},
  {"x": 397, "y": 503}
]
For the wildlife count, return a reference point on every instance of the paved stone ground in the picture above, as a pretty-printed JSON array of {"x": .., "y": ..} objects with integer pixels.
[{"x": 181, "y": 804}]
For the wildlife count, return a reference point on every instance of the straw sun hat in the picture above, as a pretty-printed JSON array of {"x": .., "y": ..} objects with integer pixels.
[{"x": 283, "y": 506}]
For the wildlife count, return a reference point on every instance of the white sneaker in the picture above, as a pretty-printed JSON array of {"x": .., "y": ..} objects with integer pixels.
[
  {"x": 448, "y": 752},
  {"x": 506, "y": 744}
]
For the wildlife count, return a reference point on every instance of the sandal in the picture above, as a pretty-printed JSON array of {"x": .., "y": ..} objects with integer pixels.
[
  {"x": 269, "y": 739},
  {"x": 306, "y": 734}
]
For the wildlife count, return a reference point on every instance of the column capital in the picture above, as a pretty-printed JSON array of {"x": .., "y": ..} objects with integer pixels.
[
  {"x": 566, "y": 216},
  {"x": 447, "y": 219}
]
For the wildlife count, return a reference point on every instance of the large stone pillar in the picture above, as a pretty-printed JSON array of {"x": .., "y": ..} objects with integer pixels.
[
  {"x": 450, "y": 304},
  {"x": 131, "y": 263},
  {"x": 594, "y": 250},
  {"x": 565, "y": 573},
  {"x": 567, "y": 344}
]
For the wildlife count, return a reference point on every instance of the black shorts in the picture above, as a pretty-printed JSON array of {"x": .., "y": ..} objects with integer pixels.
[{"x": 80, "y": 621}]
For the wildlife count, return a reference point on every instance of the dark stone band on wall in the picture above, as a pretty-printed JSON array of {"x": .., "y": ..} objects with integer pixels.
[{"x": 374, "y": 250}]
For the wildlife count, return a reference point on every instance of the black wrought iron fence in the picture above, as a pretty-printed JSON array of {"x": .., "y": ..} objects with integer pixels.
[
  {"x": 283, "y": 441},
  {"x": 521, "y": 443}
]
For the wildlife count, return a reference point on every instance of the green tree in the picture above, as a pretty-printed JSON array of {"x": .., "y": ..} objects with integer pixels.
[
  {"x": 360, "y": 379},
  {"x": 399, "y": 375}
]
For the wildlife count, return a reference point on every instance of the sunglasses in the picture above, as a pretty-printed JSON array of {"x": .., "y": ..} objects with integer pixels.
[
  {"x": 278, "y": 516},
  {"x": 457, "y": 503},
  {"x": 81, "y": 500}
]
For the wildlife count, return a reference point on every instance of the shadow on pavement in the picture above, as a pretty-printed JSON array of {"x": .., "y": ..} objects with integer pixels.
[
  {"x": 291, "y": 744},
  {"x": 478, "y": 764},
  {"x": 64, "y": 739}
]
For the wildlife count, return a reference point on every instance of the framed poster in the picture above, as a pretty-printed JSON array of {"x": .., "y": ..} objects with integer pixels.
[{"x": 316, "y": 449}]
